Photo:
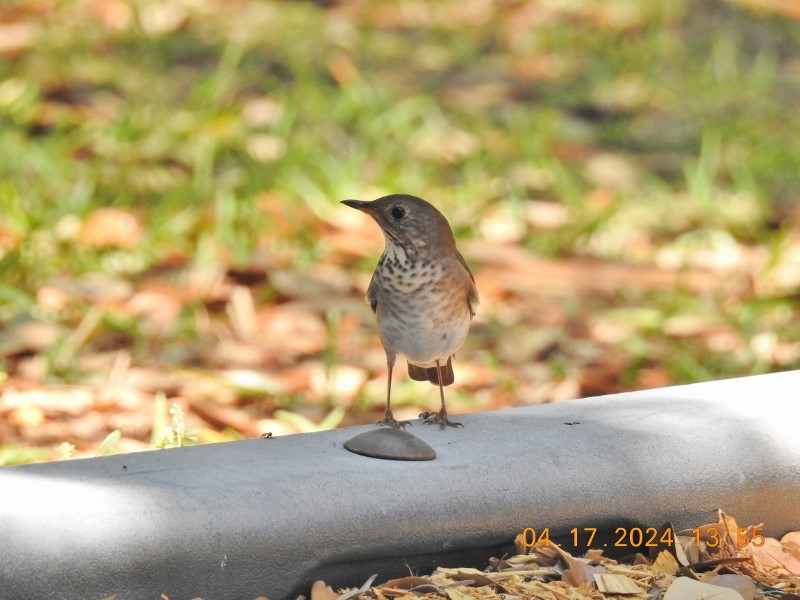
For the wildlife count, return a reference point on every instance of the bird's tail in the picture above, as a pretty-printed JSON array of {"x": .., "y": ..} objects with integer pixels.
[{"x": 431, "y": 374}]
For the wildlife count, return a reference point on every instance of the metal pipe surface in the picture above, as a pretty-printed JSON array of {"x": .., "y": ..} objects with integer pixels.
[{"x": 268, "y": 517}]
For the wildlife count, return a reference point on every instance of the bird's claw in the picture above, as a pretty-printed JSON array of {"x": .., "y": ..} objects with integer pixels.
[
  {"x": 389, "y": 421},
  {"x": 438, "y": 417}
]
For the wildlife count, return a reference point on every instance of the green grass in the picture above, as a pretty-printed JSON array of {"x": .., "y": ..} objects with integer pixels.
[{"x": 96, "y": 117}]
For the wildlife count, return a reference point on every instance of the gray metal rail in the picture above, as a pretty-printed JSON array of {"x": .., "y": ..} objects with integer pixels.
[{"x": 268, "y": 517}]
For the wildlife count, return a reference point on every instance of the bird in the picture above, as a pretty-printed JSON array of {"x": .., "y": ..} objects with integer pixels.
[{"x": 422, "y": 293}]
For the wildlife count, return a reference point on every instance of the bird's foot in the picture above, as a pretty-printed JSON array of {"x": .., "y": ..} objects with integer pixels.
[
  {"x": 389, "y": 421},
  {"x": 438, "y": 417}
]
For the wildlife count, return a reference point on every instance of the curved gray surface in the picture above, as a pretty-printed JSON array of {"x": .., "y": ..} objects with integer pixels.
[{"x": 268, "y": 517}]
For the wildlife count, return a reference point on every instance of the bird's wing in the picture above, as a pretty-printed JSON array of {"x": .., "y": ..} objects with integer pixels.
[
  {"x": 372, "y": 296},
  {"x": 472, "y": 293}
]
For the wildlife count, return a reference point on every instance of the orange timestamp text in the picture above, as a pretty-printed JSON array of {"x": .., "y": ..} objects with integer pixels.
[{"x": 648, "y": 537}]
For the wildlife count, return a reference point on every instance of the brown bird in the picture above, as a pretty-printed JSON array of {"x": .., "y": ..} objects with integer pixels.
[{"x": 422, "y": 293}]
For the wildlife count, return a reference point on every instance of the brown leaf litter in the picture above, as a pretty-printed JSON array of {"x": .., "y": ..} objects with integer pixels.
[{"x": 720, "y": 560}]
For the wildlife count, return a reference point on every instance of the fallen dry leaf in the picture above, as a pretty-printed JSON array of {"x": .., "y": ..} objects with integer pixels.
[
  {"x": 684, "y": 588},
  {"x": 110, "y": 227},
  {"x": 579, "y": 571},
  {"x": 772, "y": 556},
  {"x": 791, "y": 543},
  {"x": 70, "y": 400},
  {"x": 617, "y": 584},
  {"x": 320, "y": 591},
  {"x": 666, "y": 563},
  {"x": 408, "y": 583},
  {"x": 740, "y": 583},
  {"x": 292, "y": 329}
]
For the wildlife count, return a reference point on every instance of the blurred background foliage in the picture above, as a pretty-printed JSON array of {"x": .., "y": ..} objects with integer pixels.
[{"x": 622, "y": 177}]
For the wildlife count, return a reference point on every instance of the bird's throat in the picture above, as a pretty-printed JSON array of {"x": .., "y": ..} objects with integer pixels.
[{"x": 395, "y": 253}]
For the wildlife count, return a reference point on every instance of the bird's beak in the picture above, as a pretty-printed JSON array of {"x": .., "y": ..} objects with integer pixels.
[{"x": 361, "y": 205}]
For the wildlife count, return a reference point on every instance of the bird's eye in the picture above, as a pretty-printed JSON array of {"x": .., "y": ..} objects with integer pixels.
[{"x": 398, "y": 212}]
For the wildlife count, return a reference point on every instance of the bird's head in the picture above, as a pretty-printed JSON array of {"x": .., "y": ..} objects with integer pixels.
[{"x": 408, "y": 223}]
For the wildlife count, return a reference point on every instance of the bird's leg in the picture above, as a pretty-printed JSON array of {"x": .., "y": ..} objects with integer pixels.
[
  {"x": 441, "y": 416},
  {"x": 388, "y": 417}
]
